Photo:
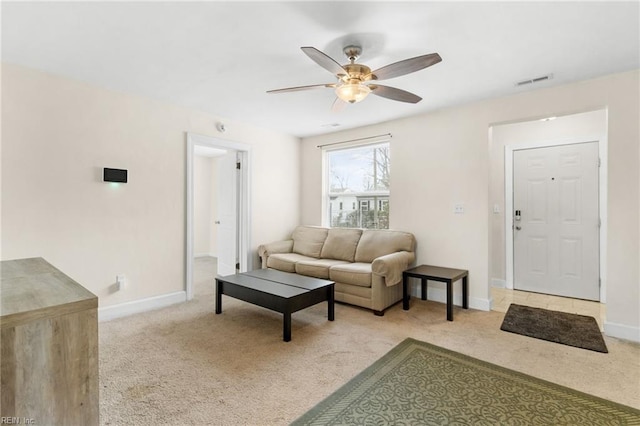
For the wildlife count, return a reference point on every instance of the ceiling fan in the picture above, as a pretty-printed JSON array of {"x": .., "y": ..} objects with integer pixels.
[{"x": 355, "y": 80}]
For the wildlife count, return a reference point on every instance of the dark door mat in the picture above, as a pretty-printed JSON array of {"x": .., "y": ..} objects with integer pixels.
[{"x": 575, "y": 330}]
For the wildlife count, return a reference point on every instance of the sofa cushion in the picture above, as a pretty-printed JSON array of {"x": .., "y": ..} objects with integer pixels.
[
  {"x": 352, "y": 273},
  {"x": 318, "y": 268},
  {"x": 285, "y": 262},
  {"x": 341, "y": 244},
  {"x": 308, "y": 240},
  {"x": 378, "y": 242}
]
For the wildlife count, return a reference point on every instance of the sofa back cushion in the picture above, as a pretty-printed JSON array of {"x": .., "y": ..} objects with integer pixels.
[
  {"x": 308, "y": 240},
  {"x": 379, "y": 242},
  {"x": 341, "y": 244}
]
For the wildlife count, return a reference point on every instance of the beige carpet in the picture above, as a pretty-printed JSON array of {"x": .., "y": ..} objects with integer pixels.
[{"x": 185, "y": 365}]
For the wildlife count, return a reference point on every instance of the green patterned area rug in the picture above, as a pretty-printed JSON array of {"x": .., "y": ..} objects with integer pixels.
[{"x": 417, "y": 383}]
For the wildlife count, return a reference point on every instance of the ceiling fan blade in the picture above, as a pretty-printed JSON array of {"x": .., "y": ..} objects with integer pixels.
[
  {"x": 406, "y": 66},
  {"x": 394, "y": 94},
  {"x": 325, "y": 61},
  {"x": 338, "y": 105},
  {"x": 299, "y": 88}
]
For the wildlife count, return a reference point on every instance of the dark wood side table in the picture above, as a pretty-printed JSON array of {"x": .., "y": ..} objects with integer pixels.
[{"x": 436, "y": 273}]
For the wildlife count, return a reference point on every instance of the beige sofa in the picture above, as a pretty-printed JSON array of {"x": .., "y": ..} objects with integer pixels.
[{"x": 366, "y": 265}]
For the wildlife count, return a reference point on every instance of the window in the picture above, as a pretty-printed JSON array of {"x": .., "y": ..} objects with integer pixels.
[{"x": 359, "y": 177}]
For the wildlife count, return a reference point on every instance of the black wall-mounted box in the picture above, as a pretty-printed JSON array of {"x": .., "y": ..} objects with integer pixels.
[{"x": 114, "y": 175}]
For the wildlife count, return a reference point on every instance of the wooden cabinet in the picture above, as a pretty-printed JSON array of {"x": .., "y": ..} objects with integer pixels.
[{"x": 49, "y": 346}]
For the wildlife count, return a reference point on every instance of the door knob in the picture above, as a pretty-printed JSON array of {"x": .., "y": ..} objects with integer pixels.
[
  {"x": 518, "y": 228},
  {"x": 217, "y": 222}
]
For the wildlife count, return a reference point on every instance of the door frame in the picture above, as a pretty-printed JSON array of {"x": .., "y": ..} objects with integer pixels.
[
  {"x": 244, "y": 210},
  {"x": 602, "y": 202}
]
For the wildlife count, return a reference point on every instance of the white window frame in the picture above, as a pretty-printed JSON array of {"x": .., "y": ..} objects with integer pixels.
[{"x": 326, "y": 150}]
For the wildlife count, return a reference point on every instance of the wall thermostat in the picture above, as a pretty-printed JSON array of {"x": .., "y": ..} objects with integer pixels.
[{"x": 114, "y": 175}]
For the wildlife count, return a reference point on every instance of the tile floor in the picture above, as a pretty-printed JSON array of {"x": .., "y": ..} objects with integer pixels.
[{"x": 503, "y": 297}]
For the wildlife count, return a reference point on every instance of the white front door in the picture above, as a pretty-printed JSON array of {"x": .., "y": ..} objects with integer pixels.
[
  {"x": 556, "y": 220},
  {"x": 227, "y": 214}
]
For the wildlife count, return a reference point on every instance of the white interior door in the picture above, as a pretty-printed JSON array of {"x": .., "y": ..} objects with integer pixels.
[
  {"x": 227, "y": 213},
  {"x": 556, "y": 220}
]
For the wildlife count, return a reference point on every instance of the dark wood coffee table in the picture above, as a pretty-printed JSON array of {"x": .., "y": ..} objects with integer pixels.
[{"x": 279, "y": 291}]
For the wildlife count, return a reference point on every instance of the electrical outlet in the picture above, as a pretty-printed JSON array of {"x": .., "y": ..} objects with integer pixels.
[
  {"x": 458, "y": 208},
  {"x": 120, "y": 280}
]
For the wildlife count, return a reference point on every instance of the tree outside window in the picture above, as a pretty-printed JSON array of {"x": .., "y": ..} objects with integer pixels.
[{"x": 359, "y": 177}]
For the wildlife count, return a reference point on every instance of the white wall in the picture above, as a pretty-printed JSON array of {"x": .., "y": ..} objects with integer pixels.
[
  {"x": 58, "y": 134},
  {"x": 442, "y": 158},
  {"x": 203, "y": 197},
  {"x": 213, "y": 208}
]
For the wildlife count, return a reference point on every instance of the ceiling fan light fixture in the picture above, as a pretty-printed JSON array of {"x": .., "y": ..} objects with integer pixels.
[
  {"x": 351, "y": 85},
  {"x": 352, "y": 92}
]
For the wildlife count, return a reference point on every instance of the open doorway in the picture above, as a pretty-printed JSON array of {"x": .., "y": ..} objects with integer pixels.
[
  {"x": 549, "y": 149},
  {"x": 223, "y": 223},
  {"x": 538, "y": 137},
  {"x": 205, "y": 201}
]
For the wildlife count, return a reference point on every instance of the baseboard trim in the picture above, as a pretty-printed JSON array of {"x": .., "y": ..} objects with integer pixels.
[
  {"x": 440, "y": 295},
  {"x": 622, "y": 331},
  {"x": 136, "y": 306}
]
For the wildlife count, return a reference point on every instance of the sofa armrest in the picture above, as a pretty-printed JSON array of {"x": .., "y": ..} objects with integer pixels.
[
  {"x": 391, "y": 266},
  {"x": 266, "y": 250}
]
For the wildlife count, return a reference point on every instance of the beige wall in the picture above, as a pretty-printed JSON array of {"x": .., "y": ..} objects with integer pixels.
[
  {"x": 58, "y": 134},
  {"x": 435, "y": 164},
  {"x": 443, "y": 158}
]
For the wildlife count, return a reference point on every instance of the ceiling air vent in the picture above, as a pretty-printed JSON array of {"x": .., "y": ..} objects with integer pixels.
[{"x": 534, "y": 80}]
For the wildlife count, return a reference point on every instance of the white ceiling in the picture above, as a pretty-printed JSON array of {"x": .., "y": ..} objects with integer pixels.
[{"x": 221, "y": 57}]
